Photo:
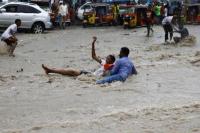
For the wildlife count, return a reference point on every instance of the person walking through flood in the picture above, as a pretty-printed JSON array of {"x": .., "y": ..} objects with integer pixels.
[
  {"x": 168, "y": 24},
  {"x": 9, "y": 37},
  {"x": 149, "y": 20},
  {"x": 106, "y": 65}
]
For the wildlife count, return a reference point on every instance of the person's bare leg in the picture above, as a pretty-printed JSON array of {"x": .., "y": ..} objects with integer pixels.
[
  {"x": 12, "y": 48},
  {"x": 68, "y": 72},
  {"x": 11, "y": 43}
]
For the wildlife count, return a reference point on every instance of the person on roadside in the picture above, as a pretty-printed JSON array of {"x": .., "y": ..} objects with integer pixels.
[
  {"x": 149, "y": 20},
  {"x": 63, "y": 12},
  {"x": 166, "y": 9},
  {"x": 157, "y": 12},
  {"x": 123, "y": 68},
  {"x": 115, "y": 11},
  {"x": 106, "y": 65},
  {"x": 9, "y": 37},
  {"x": 162, "y": 11}
]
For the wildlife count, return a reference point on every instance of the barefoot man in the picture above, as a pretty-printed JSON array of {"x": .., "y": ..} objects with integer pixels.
[{"x": 106, "y": 65}]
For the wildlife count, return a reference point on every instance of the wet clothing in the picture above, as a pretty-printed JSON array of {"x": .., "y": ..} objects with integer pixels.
[
  {"x": 184, "y": 33},
  {"x": 149, "y": 23},
  {"x": 167, "y": 20},
  {"x": 167, "y": 25},
  {"x": 9, "y": 32},
  {"x": 110, "y": 79},
  {"x": 168, "y": 30},
  {"x": 104, "y": 67},
  {"x": 122, "y": 69}
]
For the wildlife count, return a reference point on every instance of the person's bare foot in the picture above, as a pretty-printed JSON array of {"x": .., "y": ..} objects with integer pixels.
[
  {"x": 46, "y": 69},
  {"x": 11, "y": 55}
]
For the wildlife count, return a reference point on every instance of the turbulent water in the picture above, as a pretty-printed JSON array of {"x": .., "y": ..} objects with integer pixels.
[{"x": 164, "y": 97}]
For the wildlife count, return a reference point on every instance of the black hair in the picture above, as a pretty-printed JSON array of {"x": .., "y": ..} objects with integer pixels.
[
  {"x": 112, "y": 57},
  {"x": 125, "y": 51},
  {"x": 17, "y": 21}
]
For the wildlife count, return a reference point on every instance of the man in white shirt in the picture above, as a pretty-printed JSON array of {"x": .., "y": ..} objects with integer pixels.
[
  {"x": 167, "y": 23},
  {"x": 9, "y": 36},
  {"x": 63, "y": 11}
]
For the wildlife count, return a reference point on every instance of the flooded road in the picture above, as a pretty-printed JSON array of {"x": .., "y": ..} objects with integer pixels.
[{"x": 163, "y": 97}]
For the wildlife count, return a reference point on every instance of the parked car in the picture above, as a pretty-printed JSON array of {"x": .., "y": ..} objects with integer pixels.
[
  {"x": 84, "y": 8},
  {"x": 2, "y": 2},
  {"x": 100, "y": 15},
  {"x": 31, "y": 15}
]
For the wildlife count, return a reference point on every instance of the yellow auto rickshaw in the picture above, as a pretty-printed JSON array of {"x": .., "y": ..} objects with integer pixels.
[
  {"x": 134, "y": 16},
  {"x": 99, "y": 15}
]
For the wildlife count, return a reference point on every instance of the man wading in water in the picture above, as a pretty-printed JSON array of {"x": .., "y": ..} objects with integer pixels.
[{"x": 9, "y": 36}]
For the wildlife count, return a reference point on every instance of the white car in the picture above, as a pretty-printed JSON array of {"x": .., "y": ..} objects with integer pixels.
[
  {"x": 31, "y": 16},
  {"x": 87, "y": 7}
]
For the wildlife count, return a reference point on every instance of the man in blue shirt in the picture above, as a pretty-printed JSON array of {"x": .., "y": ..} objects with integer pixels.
[{"x": 122, "y": 69}]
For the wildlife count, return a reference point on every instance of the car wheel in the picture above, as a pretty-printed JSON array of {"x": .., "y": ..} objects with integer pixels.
[{"x": 38, "y": 28}]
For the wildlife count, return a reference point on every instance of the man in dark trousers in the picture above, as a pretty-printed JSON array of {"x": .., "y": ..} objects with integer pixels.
[{"x": 168, "y": 25}]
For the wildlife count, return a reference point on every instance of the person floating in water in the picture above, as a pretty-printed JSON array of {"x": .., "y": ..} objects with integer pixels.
[{"x": 106, "y": 65}]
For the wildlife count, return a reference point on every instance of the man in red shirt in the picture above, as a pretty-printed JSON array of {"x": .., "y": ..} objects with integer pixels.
[{"x": 149, "y": 20}]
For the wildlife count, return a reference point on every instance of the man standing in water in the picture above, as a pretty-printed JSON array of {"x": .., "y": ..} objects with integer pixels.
[
  {"x": 9, "y": 36},
  {"x": 168, "y": 25},
  {"x": 149, "y": 20}
]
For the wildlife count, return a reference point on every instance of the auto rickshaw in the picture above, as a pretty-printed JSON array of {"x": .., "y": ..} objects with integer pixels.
[
  {"x": 134, "y": 16},
  {"x": 192, "y": 13},
  {"x": 99, "y": 15}
]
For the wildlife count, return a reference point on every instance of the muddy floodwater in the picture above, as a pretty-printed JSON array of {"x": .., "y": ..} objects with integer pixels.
[{"x": 163, "y": 98}]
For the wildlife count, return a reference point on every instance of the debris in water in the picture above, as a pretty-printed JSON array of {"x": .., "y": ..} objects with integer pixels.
[{"x": 21, "y": 70}]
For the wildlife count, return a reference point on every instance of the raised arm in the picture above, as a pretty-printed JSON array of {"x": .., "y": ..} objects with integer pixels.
[{"x": 93, "y": 51}]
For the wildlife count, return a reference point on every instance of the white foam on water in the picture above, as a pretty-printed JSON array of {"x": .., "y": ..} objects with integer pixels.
[{"x": 4, "y": 48}]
